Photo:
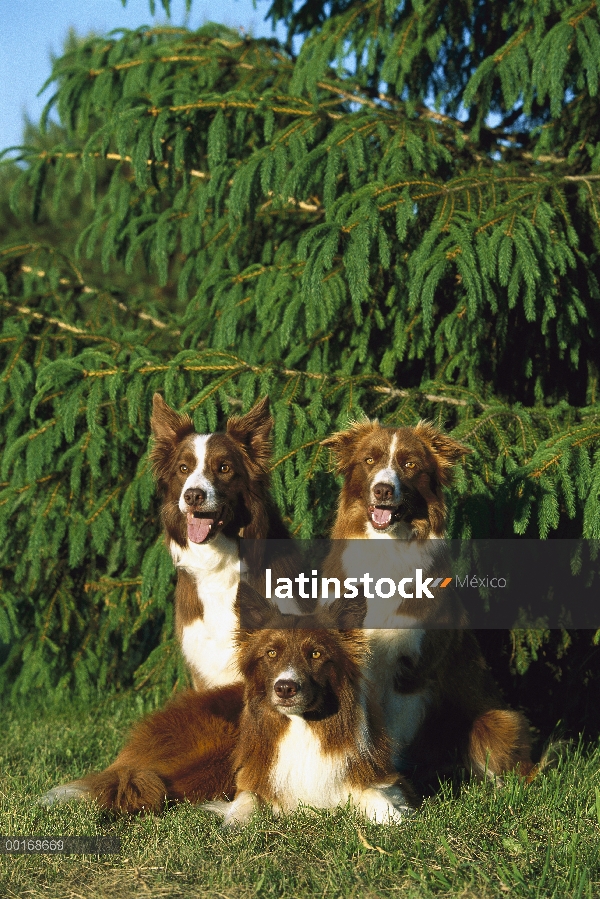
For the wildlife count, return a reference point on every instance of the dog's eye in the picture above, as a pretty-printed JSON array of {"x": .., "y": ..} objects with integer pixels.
[
  {"x": 370, "y": 460},
  {"x": 272, "y": 653},
  {"x": 224, "y": 467},
  {"x": 316, "y": 654},
  {"x": 183, "y": 469},
  {"x": 409, "y": 464}
]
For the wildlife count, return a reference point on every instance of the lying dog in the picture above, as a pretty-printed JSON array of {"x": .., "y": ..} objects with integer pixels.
[
  {"x": 309, "y": 731},
  {"x": 437, "y": 695}
]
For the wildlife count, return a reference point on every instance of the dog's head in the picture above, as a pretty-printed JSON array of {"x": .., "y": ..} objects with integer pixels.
[
  {"x": 305, "y": 665},
  {"x": 393, "y": 479},
  {"x": 212, "y": 483}
]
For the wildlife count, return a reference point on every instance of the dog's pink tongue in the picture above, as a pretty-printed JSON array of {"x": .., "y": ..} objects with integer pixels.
[
  {"x": 198, "y": 528},
  {"x": 381, "y": 516}
]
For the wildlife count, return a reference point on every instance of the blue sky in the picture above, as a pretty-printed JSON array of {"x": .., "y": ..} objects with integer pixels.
[{"x": 30, "y": 30}]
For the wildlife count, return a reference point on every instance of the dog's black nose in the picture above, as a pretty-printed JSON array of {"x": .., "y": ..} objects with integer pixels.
[
  {"x": 285, "y": 689},
  {"x": 383, "y": 493},
  {"x": 194, "y": 497}
]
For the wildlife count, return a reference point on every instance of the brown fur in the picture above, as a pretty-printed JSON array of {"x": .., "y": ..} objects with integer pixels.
[
  {"x": 246, "y": 445},
  {"x": 183, "y": 751},
  {"x": 329, "y": 701},
  {"x": 433, "y": 454},
  {"x": 466, "y": 719},
  {"x": 193, "y": 748},
  {"x": 244, "y": 504}
]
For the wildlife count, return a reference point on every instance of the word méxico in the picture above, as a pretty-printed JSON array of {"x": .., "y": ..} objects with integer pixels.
[
  {"x": 385, "y": 587},
  {"x": 475, "y": 581}
]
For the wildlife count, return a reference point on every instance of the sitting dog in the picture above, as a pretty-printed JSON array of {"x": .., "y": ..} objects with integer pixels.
[
  {"x": 438, "y": 698},
  {"x": 215, "y": 489}
]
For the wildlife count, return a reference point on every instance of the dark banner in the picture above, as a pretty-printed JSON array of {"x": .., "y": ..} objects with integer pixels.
[{"x": 389, "y": 583}]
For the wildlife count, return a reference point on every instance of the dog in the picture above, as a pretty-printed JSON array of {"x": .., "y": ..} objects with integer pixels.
[
  {"x": 309, "y": 731},
  {"x": 439, "y": 701},
  {"x": 215, "y": 489}
]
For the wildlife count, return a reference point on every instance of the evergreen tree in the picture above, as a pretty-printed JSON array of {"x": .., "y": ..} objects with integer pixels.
[{"x": 401, "y": 220}]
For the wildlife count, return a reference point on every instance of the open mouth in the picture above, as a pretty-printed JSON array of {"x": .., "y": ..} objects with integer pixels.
[
  {"x": 382, "y": 516},
  {"x": 203, "y": 525}
]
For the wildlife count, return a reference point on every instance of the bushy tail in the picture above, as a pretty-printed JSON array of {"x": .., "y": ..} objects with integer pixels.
[
  {"x": 70, "y": 792},
  {"x": 499, "y": 742}
]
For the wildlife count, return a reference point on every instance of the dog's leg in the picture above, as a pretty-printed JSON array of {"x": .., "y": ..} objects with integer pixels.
[
  {"x": 384, "y": 804},
  {"x": 237, "y": 813}
]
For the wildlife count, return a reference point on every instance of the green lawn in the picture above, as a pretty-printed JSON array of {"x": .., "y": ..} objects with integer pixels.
[{"x": 541, "y": 840}]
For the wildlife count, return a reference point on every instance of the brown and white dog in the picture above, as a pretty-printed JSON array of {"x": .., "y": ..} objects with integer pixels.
[
  {"x": 310, "y": 731},
  {"x": 215, "y": 490},
  {"x": 438, "y": 698}
]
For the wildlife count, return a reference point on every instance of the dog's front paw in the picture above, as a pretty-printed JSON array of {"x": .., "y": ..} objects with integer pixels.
[{"x": 385, "y": 804}]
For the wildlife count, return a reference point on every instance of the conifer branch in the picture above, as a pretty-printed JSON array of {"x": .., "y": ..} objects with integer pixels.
[
  {"x": 84, "y": 288},
  {"x": 238, "y": 366},
  {"x": 164, "y": 164}
]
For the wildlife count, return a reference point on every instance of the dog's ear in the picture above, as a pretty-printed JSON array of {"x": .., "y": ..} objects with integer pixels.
[
  {"x": 166, "y": 423},
  {"x": 347, "y": 614},
  {"x": 252, "y": 432},
  {"x": 343, "y": 443},
  {"x": 447, "y": 452},
  {"x": 255, "y": 610},
  {"x": 168, "y": 426}
]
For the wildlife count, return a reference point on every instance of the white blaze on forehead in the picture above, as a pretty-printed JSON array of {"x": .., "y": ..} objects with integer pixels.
[
  {"x": 200, "y": 476},
  {"x": 389, "y": 475}
]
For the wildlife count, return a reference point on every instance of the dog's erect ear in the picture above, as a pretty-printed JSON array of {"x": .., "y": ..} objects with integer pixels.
[
  {"x": 168, "y": 426},
  {"x": 166, "y": 423},
  {"x": 252, "y": 431},
  {"x": 342, "y": 443},
  {"x": 255, "y": 611},
  {"x": 447, "y": 451},
  {"x": 347, "y": 614}
]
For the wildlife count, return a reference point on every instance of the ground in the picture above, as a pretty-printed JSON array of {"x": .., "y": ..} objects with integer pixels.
[{"x": 541, "y": 840}]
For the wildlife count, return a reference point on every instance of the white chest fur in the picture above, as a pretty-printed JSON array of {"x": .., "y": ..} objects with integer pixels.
[
  {"x": 402, "y": 712},
  {"x": 392, "y": 634},
  {"x": 303, "y": 773},
  {"x": 208, "y": 641}
]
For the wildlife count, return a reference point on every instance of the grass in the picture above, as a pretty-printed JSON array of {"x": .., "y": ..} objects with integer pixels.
[{"x": 541, "y": 840}]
